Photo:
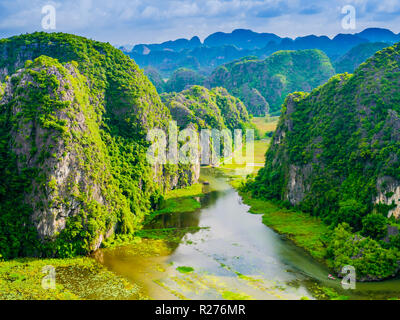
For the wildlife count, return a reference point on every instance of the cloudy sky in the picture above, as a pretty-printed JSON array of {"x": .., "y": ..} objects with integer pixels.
[{"x": 152, "y": 21}]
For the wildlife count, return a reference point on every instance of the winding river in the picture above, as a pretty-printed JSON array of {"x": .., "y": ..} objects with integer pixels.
[{"x": 235, "y": 257}]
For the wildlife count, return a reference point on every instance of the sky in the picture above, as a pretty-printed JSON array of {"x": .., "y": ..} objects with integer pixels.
[{"x": 123, "y": 22}]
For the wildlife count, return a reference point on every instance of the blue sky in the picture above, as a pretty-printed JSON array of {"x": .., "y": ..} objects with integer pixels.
[{"x": 139, "y": 21}]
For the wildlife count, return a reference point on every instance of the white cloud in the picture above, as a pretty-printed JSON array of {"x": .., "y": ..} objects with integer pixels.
[{"x": 134, "y": 21}]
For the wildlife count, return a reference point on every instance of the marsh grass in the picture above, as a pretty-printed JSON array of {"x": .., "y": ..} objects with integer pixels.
[
  {"x": 265, "y": 124},
  {"x": 77, "y": 278}
]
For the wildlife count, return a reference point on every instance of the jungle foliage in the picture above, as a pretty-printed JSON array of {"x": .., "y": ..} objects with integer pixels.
[
  {"x": 73, "y": 99},
  {"x": 335, "y": 151}
]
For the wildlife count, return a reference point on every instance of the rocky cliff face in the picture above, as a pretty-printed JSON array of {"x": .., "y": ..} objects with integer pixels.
[
  {"x": 37, "y": 144},
  {"x": 207, "y": 109},
  {"x": 388, "y": 192},
  {"x": 73, "y": 124},
  {"x": 340, "y": 142}
]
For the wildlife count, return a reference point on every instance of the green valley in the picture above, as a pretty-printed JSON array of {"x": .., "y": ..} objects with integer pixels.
[{"x": 116, "y": 183}]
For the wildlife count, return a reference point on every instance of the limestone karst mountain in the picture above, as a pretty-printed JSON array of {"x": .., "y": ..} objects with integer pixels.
[{"x": 74, "y": 114}]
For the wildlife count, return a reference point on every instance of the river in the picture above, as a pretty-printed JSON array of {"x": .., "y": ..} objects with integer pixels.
[{"x": 237, "y": 256}]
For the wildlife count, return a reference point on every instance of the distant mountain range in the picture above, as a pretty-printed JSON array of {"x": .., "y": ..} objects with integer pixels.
[
  {"x": 220, "y": 48},
  {"x": 263, "y": 85}
]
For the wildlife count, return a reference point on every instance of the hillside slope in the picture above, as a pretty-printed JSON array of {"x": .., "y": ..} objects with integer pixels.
[
  {"x": 260, "y": 84},
  {"x": 73, "y": 122},
  {"x": 155, "y": 78},
  {"x": 357, "y": 55},
  {"x": 340, "y": 141},
  {"x": 336, "y": 155},
  {"x": 207, "y": 109},
  {"x": 182, "y": 79}
]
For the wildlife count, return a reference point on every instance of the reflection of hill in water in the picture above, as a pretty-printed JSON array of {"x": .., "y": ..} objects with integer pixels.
[
  {"x": 177, "y": 225},
  {"x": 174, "y": 220}
]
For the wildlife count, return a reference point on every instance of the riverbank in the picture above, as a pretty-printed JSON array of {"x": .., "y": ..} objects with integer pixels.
[
  {"x": 174, "y": 258},
  {"x": 84, "y": 278},
  {"x": 305, "y": 231}
]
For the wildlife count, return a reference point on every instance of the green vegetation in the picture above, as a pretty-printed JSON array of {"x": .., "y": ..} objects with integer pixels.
[
  {"x": 172, "y": 236},
  {"x": 182, "y": 79},
  {"x": 184, "y": 269},
  {"x": 207, "y": 109},
  {"x": 175, "y": 202},
  {"x": 78, "y": 278},
  {"x": 263, "y": 85},
  {"x": 229, "y": 295},
  {"x": 265, "y": 125},
  {"x": 325, "y": 293},
  {"x": 307, "y": 232},
  {"x": 335, "y": 155},
  {"x": 155, "y": 78},
  {"x": 73, "y": 146},
  {"x": 374, "y": 226},
  {"x": 369, "y": 257},
  {"x": 179, "y": 200},
  {"x": 350, "y": 61}
]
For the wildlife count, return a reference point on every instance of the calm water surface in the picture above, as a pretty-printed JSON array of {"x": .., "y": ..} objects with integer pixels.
[{"x": 237, "y": 256}]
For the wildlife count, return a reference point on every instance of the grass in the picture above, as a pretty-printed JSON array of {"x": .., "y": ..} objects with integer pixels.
[
  {"x": 257, "y": 159},
  {"x": 265, "y": 124},
  {"x": 171, "y": 235},
  {"x": 325, "y": 293},
  {"x": 77, "y": 278},
  {"x": 192, "y": 191},
  {"x": 304, "y": 230},
  {"x": 180, "y": 200},
  {"x": 184, "y": 269},
  {"x": 184, "y": 200},
  {"x": 228, "y": 295},
  {"x": 146, "y": 247}
]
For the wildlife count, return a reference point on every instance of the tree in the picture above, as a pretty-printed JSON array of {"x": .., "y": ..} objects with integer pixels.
[
  {"x": 374, "y": 226},
  {"x": 351, "y": 212}
]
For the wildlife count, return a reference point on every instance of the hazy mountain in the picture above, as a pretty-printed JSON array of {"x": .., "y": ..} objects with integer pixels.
[
  {"x": 175, "y": 45},
  {"x": 220, "y": 48},
  {"x": 265, "y": 83},
  {"x": 242, "y": 39},
  {"x": 183, "y": 79},
  {"x": 357, "y": 55}
]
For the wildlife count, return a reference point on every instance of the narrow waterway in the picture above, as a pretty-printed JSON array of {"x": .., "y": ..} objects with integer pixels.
[{"x": 235, "y": 257}]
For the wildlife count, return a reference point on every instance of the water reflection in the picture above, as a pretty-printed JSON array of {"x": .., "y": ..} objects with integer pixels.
[{"x": 236, "y": 254}]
